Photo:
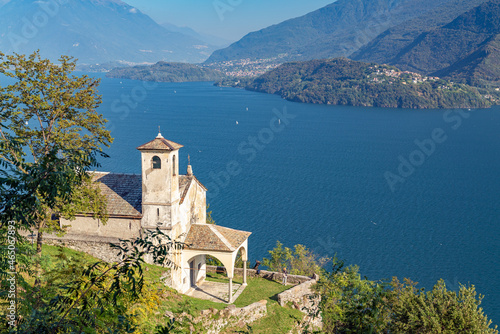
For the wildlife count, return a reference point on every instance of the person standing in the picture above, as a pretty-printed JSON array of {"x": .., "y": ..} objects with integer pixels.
[{"x": 285, "y": 274}]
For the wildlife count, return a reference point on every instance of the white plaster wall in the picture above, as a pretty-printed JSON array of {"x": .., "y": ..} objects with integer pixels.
[
  {"x": 123, "y": 228},
  {"x": 193, "y": 209},
  {"x": 184, "y": 271},
  {"x": 160, "y": 189}
]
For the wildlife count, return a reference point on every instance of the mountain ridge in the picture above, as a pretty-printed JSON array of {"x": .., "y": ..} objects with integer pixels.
[
  {"x": 95, "y": 31},
  {"x": 338, "y": 29},
  {"x": 464, "y": 49}
]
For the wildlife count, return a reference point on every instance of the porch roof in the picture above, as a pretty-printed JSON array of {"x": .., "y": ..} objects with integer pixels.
[{"x": 209, "y": 237}]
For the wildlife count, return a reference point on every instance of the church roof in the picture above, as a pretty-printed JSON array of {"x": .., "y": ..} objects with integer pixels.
[
  {"x": 123, "y": 192},
  {"x": 211, "y": 237},
  {"x": 161, "y": 144},
  {"x": 185, "y": 183}
]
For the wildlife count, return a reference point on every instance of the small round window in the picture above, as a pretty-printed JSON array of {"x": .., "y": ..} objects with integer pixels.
[{"x": 156, "y": 163}]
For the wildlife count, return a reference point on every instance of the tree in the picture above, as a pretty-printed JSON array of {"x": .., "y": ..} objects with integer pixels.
[
  {"x": 300, "y": 261},
  {"x": 97, "y": 298},
  {"x": 280, "y": 258},
  {"x": 352, "y": 304},
  {"x": 436, "y": 311},
  {"x": 50, "y": 137}
]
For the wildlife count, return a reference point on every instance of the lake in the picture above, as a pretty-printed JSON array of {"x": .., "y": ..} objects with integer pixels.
[{"x": 407, "y": 193}]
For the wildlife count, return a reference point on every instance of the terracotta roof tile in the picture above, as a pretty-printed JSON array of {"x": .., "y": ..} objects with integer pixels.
[
  {"x": 235, "y": 237},
  {"x": 160, "y": 144},
  {"x": 214, "y": 238}
]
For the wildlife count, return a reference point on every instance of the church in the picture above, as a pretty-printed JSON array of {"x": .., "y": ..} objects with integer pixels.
[{"x": 161, "y": 198}]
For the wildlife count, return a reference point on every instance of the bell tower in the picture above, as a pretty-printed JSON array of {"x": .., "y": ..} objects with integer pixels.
[{"x": 160, "y": 183}]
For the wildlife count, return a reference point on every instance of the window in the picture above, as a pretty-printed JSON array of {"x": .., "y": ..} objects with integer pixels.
[
  {"x": 156, "y": 162},
  {"x": 158, "y": 212},
  {"x": 173, "y": 166}
]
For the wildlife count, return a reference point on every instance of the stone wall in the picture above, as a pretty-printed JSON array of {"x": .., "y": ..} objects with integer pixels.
[
  {"x": 95, "y": 246},
  {"x": 303, "y": 298},
  {"x": 214, "y": 321},
  {"x": 270, "y": 275},
  {"x": 297, "y": 293}
]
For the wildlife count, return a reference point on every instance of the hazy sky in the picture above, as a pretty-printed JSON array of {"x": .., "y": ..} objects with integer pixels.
[{"x": 230, "y": 19}]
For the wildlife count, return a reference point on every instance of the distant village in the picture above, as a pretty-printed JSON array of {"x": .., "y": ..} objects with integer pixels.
[
  {"x": 382, "y": 74},
  {"x": 247, "y": 68}
]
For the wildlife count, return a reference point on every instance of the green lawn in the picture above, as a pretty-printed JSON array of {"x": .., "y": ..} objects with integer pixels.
[{"x": 278, "y": 320}]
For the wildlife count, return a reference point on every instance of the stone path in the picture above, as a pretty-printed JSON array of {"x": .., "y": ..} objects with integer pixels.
[{"x": 216, "y": 291}]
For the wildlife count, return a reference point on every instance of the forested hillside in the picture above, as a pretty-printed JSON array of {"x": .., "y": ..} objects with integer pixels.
[
  {"x": 166, "y": 72},
  {"x": 346, "y": 82}
]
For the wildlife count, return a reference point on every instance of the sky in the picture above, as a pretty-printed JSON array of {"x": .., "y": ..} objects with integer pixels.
[{"x": 229, "y": 19}]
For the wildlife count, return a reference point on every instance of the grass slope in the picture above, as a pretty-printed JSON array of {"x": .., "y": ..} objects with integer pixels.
[{"x": 279, "y": 319}]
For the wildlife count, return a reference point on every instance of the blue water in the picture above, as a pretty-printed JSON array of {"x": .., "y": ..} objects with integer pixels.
[{"x": 318, "y": 179}]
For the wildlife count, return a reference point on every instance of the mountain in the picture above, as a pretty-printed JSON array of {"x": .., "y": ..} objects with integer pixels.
[
  {"x": 465, "y": 49},
  {"x": 343, "y": 81},
  {"x": 385, "y": 47},
  {"x": 166, "y": 72},
  {"x": 94, "y": 31},
  {"x": 206, "y": 38},
  {"x": 338, "y": 29}
]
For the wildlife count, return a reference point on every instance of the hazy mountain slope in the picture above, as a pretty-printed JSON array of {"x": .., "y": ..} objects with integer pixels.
[
  {"x": 94, "y": 31},
  {"x": 166, "y": 72},
  {"x": 480, "y": 68},
  {"x": 465, "y": 49},
  {"x": 338, "y": 29},
  {"x": 388, "y": 45},
  {"x": 206, "y": 38}
]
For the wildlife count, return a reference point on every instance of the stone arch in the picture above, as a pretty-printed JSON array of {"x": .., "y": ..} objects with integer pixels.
[
  {"x": 244, "y": 253},
  {"x": 228, "y": 264},
  {"x": 156, "y": 162}
]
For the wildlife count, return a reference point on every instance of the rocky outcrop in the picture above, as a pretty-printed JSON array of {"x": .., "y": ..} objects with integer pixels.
[{"x": 304, "y": 299}]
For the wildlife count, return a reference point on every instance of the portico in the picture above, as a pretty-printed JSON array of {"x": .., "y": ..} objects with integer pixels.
[{"x": 219, "y": 242}]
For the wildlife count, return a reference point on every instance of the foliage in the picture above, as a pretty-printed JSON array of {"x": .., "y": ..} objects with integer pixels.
[
  {"x": 437, "y": 311},
  {"x": 50, "y": 136},
  {"x": 210, "y": 220},
  {"x": 166, "y": 72},
  {"x": 97, "y": 297},
  {"x": 300, "y": 261},
  {"x": 351, "y": 304},
  {"x": 345, "y": 82}
]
